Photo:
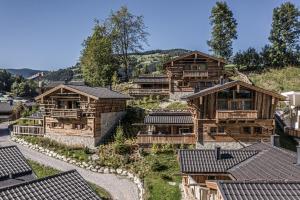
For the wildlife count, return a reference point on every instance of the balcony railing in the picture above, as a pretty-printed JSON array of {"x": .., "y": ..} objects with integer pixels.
[
  {"x": 236, "y": 114},
  {"x": 27, "y": 130},
  {"x": 293, "y": 132},
  {"x": 65, "y": 113},
  {"x": 194, "y": 73},
  {"x": 142, "y": 91},
  {"x": 166, "y": 139}
]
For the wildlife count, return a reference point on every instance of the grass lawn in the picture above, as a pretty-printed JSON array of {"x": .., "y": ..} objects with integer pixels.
[
  {"x": 42, "y": 171},
  {"x": 164, "y": 169}
]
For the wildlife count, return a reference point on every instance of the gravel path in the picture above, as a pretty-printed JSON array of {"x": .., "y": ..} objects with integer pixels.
[{"x": 120, "y": 188}]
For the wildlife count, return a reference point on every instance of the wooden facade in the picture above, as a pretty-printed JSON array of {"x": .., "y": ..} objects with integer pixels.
[
  {"x": 194, "y": 72},
  {"x": 71, "y": 111},
  {"x": 234, "y": 111}
]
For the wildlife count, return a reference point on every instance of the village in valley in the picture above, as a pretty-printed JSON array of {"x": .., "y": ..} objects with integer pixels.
[{"x": 177, "y": 124}]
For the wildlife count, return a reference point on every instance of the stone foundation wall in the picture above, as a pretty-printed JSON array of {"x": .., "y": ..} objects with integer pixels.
[
  {"x": 178, "y": 95},
  {"x": 73, "y": 140}
]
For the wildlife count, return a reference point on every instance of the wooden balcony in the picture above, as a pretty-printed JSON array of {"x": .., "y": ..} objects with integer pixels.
[
  {"x": 293, "y": 132},
  {"x": 236, "y": 114},
  {"x": 28, "y": 130},
  {"x": 142, "y": 92},
  {"x": 166, "y": 139},
  {"x": 195, "y": 73},
  {"x": 65, "y": 113}
]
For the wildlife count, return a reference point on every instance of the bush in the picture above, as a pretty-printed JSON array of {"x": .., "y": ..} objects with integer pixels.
[
  {"x": 119, "y": 137},
  {"x": 122, "y": 149},
  {"x": 166, "y": 177},
  {"x": 156, "y": 166},
  {"x": 155, "y": 149}
]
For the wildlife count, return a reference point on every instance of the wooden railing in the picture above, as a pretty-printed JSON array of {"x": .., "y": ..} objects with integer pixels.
[
  {"x": 293, "y": 132},
  {"x": 236, "y": 114},
  {"x": 166, "y": 139},
  {"x": 27, "y": 130},
  {"x": 65, "y": 113},
  {"x": 141, "y": 91},
  {"x": 194, "y": 73}
]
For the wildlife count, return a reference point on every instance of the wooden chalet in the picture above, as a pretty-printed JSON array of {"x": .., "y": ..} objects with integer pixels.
[
  {"x": 203, "y": 169},
  {"x": 167, "y": 127},
  {"x": 146, "y": 85},
  {"x": 193, "y": 72},
  {"x": 233, "y": 112},
  {"x": 80, "y": 115}
]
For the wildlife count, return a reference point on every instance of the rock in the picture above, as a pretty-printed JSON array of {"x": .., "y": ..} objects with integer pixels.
[
  {"x": 94, "y": 157},
  {"x": 130, "y": 175},
  {"x": 124, "y": 173},
  {"x": 106, "y": 171},
  {"x": 172, "y": 183},
  {"x": 119, "y": 171},
  {"x": 101, "y": 170},
  {"x": 94, "y": 170},
  {"x": 113, "y": 171}
]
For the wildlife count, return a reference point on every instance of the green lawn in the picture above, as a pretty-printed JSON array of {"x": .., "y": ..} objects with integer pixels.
[
  {"x": 42, "y": 171},
  {"x": 157, "y": 179}
]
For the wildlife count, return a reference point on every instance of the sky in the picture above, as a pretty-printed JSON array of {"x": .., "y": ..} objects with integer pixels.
[{"x": 48, "y": 34}]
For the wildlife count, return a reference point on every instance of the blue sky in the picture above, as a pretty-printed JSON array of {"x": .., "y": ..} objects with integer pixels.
[{"x": 47, "y": 34}]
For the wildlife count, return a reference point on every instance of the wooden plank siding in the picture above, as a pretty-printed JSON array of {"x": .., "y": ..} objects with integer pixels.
[{"x": 166, "y": 139}]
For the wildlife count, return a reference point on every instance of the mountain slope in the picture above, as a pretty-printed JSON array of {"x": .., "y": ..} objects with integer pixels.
[{"x": 25, "y": 72}]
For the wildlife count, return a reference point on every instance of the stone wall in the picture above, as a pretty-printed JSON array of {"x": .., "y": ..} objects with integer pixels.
[
  {"x": 178, "y": 95},
  {"x": 84, "y": 141}
]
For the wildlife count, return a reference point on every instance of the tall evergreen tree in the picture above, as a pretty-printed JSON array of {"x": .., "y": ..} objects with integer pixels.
[
  {"x": 97, "y": 60},
  {"x": 285, "y": 34},
  {"x": 223, "y": 30},
  {"x": 128, "y": 34}
]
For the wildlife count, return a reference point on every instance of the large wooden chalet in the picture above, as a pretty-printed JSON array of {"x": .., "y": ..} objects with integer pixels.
[
  {"x": 233, "y": 112},
  {"x": 184, "y": 75},
  {"x": 80, "y": 115}
]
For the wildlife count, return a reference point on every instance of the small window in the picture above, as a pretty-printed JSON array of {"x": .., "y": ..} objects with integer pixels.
[
  {"x": 221, "y": 129},
  {"x": 202, "y": 66},
  {"x": 184, "y": 130},
  {"x": 211, "y": 178},
  {"x": 213, "y": 130},
  {"x": 258, "y": 130},
  {"x": 247, "y": 130}
]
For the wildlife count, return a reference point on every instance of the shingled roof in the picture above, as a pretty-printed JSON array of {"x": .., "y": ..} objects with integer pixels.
[
  {"x": 272, "y": 163},
  {"x": 152, "y": 79},
  {"x": 205, "y": 161},
  {"x": 259, "y": 190},
  {"x": 227, "y": 85},
  {"x": 93, "y": 92},
  {"x": 5, "y": 107},
  {"x": 169, "y": 118},
  {"x": 64, "y": 186}
]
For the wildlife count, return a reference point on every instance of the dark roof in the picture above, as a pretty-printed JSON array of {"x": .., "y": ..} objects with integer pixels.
[
  {"x": 272, "y": 163},
  {"x": 226, "y": 85},
  {"x": 168, "y": 118},
  {"x": 94, "y": 92},
  {"x": 57, "y": 83},
  {"x": 36, "y": 115},
  {"x": 196, "y": 52},
  {"x": 205, "y": 161},
  {"x": 259, "y": 190},
  {"x": 5, "y": 107},
  {"x": 12, "y": 162},
  {"x": 64, "y": 186},
  {"x": 152, "y": 79},
  {"x": 101, "y": 93}
]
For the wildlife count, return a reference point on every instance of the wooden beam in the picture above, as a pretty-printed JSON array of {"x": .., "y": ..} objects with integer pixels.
[
  {"x": 172, "y": 63},
  {"x": 238, "y": 88},
  {"x": 201, "y": 100}
]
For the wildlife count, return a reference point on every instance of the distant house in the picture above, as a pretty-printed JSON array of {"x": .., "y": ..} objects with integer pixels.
[
  {"x": 234, "y": 112},
  {"x": 80, "y": 115},
  {"x": 18, "y": 181},
  {"x": 186, "y": 74},
  {"x": 6, "y": 111},
  {"x": 167, "y": 127},
  {"x": 201, "y": 169}
]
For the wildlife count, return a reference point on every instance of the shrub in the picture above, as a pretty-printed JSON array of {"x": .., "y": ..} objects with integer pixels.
[
  {"x": 166, "y": 177},
  {"x": 119, "y": 137},
  {"x": 121, "y": 149},
  {"x": 156, "y": 166},
  {"x": 155, "y": 149}
]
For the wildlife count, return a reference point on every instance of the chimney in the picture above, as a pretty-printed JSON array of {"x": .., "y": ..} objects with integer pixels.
[
  {"x": 298, "y": 154},
  {"x": 218, "y": 152},
  {"x": 275, "y": 140}
]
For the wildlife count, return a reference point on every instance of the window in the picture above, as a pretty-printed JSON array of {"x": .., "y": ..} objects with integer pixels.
[
  {"x": 57, "y": 125},
  {"x": 221, "y": 129},
  {"x": 247, "y": 105},
  {"x": 202, "y": 66},
  {"x": 258, "y": 130},
  {"x": 222, "y": 104},
  {"x": 213, "y": 130},
  {"x": 247, "y": 130},
  {"x": 184, "y": 130},
  {"x": 243, "y": 94}
]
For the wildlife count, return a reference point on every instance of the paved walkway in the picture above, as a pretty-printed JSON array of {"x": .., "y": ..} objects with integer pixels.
[{"x": 119, "y": 187}]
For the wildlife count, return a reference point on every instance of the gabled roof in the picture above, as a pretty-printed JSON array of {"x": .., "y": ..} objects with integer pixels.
[
  {"x": 12, "y": 163},
  {"x": 260, "y": 190},
  {"x": 169, "y": 118},
  {"x": 152, "y": 79},
  {"x": 272, "y": 163},
  {"x": 93, "y": 92},
  {"x": 227, "y": 85},
  {"x": 198, "y": 53},
  {"x": 204, "y": 160},
  {"x": 64, "y": 186}
]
